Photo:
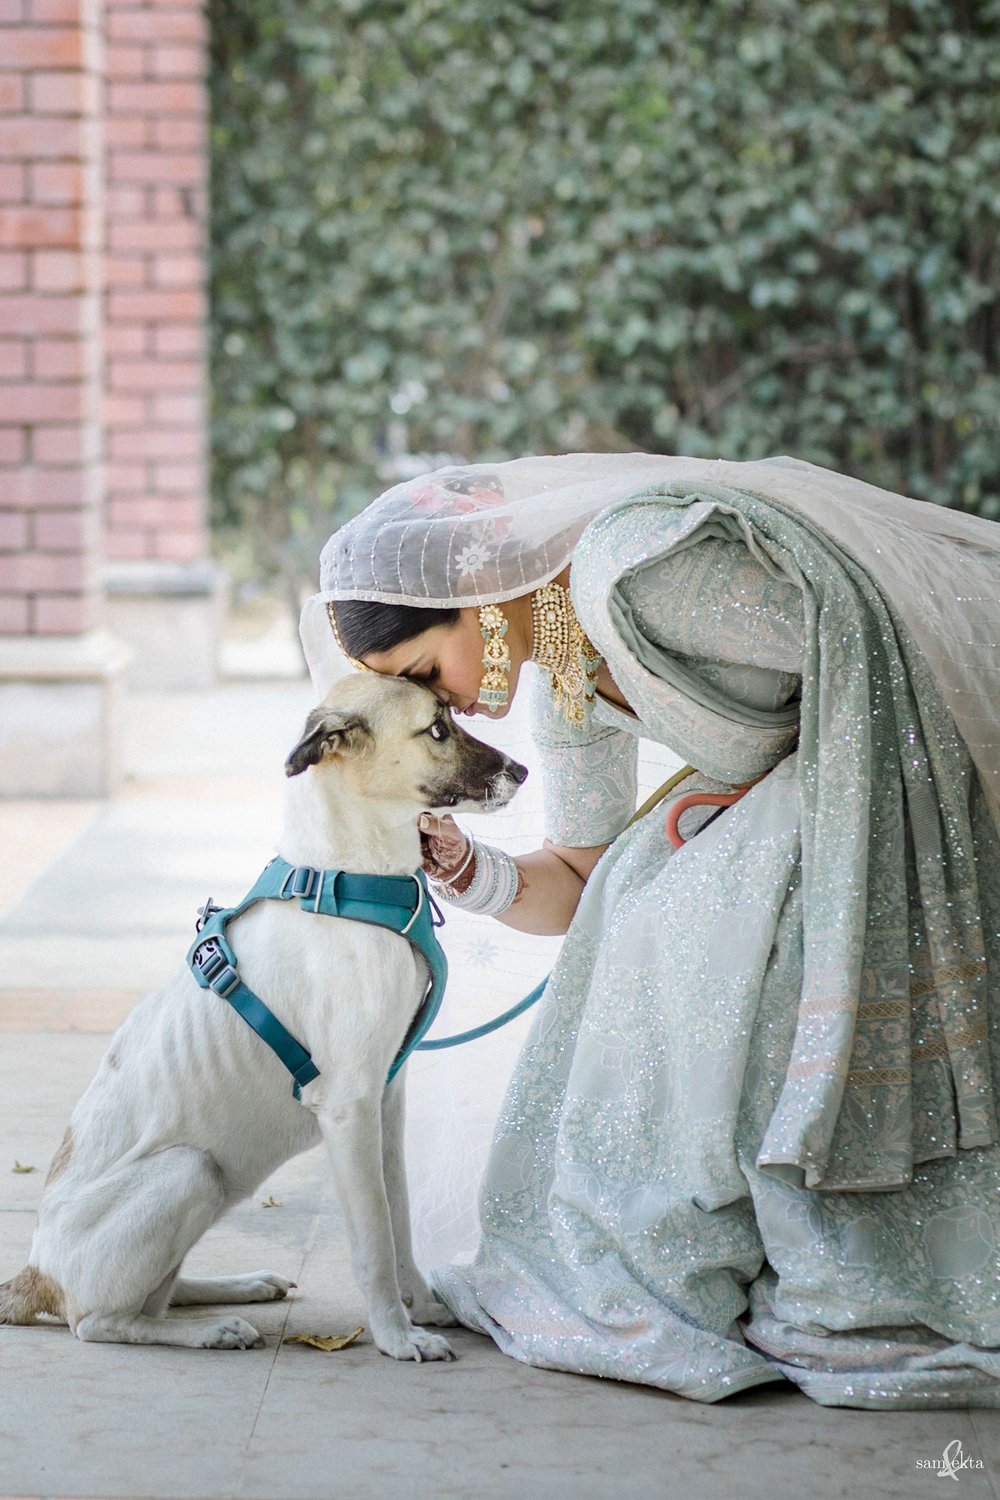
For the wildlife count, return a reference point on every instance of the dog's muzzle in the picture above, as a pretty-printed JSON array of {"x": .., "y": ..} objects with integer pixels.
[
  {"x": 506, "y": 782},
  {"x": 483, "y": 793}
]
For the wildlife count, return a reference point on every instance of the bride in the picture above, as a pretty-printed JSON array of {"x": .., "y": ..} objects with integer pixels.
[{"x": 752, "y": 1134}]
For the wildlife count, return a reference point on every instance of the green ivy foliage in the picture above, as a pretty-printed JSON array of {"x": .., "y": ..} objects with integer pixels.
[{"x": 482, "y": 228}]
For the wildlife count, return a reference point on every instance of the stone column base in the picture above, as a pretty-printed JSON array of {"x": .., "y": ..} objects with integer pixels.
[
  {"x": 170, "y": 615},
  {"x": 61, "y": 714}
]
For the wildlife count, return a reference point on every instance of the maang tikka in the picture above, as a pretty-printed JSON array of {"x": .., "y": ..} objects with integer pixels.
[{"x": 493, "y": 689}]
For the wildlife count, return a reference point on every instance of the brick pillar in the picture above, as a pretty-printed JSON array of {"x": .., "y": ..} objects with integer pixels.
[
  {"x": 163, "y": 593},
  {"x": 58, "y": 672},
  {"x": 50, "y": 270}
]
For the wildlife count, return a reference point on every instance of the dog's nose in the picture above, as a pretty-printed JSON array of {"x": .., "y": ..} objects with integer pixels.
[{"x": 515, "y": 769}]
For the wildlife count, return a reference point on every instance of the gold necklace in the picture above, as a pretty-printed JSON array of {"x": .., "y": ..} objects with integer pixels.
[{"x": 560, "y": 645}]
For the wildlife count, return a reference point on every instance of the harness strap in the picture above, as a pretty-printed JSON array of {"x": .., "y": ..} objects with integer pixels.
[
  {"x": 400, "y": 903},
  {"x": 335, "y": 893},
  {"x": 220, "y": 975}
]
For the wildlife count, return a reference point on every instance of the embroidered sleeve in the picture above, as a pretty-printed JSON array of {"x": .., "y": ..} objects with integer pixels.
[
  {"x": 720, "y": 610},
  {"x": 588, "y": 775}
]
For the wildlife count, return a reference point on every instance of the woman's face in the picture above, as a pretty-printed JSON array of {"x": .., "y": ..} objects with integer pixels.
[{"x": 449, "y": 660}]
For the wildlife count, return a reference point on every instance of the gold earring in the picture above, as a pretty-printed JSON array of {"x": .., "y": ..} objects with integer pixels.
[
  {"x": 359, "y": 666},
  {"x": 493, "y": 691}
]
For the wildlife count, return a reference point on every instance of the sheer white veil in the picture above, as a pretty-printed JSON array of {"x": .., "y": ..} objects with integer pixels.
[
  {"x": 470, "y": 535},
  {"x": 483, "y": 533}
]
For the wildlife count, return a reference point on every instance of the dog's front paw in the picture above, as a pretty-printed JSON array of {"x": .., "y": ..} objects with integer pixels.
[
  {"x": 231, "y": 1333},
  {"x": 417, "y": 1344}
]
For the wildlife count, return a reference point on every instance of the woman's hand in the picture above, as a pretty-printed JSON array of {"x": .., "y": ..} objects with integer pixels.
[
  {"x": 552, "y": 878},
  {"x": 444, "y": 848}
]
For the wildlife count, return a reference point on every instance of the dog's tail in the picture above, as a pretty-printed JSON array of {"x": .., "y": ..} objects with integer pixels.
[{"x": 29, "y": 1293}]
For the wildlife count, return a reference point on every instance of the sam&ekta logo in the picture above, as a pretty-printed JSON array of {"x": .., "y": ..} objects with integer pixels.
[{"x": 951, "y": 1462}]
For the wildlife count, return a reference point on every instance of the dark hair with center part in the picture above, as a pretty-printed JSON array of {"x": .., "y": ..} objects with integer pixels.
[{"x": 364, "y": 626}]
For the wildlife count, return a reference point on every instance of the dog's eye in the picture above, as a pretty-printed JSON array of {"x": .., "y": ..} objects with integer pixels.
[{"x": 438, "y": 730}]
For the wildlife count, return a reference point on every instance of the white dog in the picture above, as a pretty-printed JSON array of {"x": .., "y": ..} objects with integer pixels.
[{"x": 190, "y": 1111}]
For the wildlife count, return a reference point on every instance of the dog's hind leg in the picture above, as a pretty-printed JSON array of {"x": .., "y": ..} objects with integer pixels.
[
  {"x": 131, "y": 1242},
  {"x": 417, "y": 1296},
  {"x": 255, "y": 1286},
  {"x": 194, "y": 1333}
]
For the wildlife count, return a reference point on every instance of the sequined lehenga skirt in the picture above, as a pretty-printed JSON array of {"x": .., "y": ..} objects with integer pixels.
[{"x": 627, "y": 1230}]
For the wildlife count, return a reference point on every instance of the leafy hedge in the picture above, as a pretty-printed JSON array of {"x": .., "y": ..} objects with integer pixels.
[{"x": 483, "y": 228}]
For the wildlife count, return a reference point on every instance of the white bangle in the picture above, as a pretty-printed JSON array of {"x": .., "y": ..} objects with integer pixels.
[
  {"x": 466, "y": 862},
  {"x": 493, "y": 887}
]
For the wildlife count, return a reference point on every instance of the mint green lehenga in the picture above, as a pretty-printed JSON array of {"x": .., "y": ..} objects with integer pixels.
[{"x": 752, "y": 1134}]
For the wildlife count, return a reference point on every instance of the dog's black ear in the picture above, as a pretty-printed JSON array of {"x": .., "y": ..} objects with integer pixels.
[{"x": 328, "y": 731}]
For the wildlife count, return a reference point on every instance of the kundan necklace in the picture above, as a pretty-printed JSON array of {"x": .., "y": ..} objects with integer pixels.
[{"x": 560, "y": 645}]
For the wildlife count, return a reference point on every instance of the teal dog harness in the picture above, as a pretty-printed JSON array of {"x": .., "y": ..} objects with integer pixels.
[{"x": 402, "y": 903}]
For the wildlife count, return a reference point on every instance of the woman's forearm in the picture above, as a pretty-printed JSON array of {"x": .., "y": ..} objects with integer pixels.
[
  {"x": 551, "y": 885},
  {"x": 548, "y": 896}
]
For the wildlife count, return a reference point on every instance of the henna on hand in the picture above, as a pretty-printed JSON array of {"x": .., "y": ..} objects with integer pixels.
[{"x": 444, "y": 849}]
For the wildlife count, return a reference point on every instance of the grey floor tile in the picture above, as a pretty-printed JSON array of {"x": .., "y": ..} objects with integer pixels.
[{"x": 97, "y": 1419}]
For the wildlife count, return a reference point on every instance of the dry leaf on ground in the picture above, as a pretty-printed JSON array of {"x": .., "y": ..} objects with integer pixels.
[
  {"x": 271, "y": 1202},
  {"x": 326, "y": 1342},
  {"x": 18, "y": 1168}
]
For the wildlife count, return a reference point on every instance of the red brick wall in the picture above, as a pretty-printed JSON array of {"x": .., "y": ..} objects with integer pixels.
[
  {"x": 50, "y": 283},
  {"x": 102, "y": 298},
  {"x": 155, "y": 277}
]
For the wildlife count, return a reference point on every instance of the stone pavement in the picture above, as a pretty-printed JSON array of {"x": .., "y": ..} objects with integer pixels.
[{"x": 96, "y": 905}]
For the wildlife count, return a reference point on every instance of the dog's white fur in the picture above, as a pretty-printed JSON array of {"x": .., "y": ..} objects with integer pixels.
[{"x": 190, "y": 1111}]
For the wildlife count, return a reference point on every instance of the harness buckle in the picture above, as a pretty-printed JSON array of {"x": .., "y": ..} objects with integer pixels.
[
  {"x": 225, "y": 981},
  {"x": 215, "y": 967},
  {"x": 299, "y": 882},
  {"x": 208, "y": 957}
]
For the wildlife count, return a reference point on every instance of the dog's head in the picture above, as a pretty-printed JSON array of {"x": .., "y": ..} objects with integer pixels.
[{"x": 392, "y": 740}]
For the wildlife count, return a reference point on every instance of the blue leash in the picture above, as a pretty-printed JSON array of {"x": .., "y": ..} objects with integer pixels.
[{"x": 484, "y": 1030}]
